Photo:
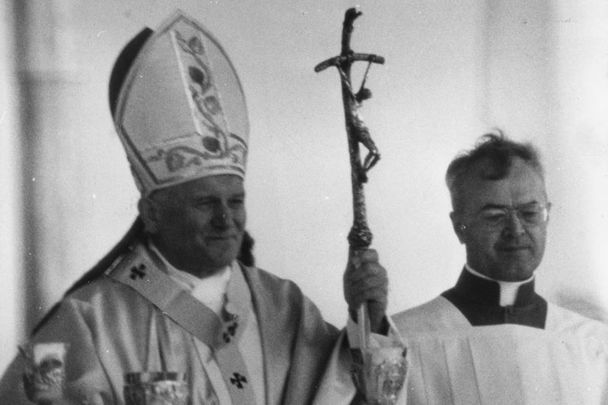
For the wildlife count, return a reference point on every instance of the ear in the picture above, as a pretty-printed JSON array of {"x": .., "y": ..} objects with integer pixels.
[
  {"x": 458, "y": 226},
  {"x": 149, "y": 213}
]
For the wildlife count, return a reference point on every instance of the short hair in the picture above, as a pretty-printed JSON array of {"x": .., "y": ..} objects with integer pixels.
[{"x": 498, "y": 152}]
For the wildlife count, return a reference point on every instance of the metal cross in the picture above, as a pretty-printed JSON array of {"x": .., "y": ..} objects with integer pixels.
[{"x": 360, "y": 236}]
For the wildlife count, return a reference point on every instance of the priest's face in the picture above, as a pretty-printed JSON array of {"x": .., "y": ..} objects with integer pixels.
[
  {"x": 198, "y": 225},
  {"x": 503, "y": 223}
]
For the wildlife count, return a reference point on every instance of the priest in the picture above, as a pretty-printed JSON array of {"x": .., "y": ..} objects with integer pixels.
[{"x": 492, "y": 339}]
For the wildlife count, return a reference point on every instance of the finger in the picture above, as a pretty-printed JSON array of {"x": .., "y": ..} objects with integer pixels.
[
  {"x": 378, "y": 294},
  {"x": 360, "y": 286},
  {"x": 367, "y": 272},
  {"x": 358, "y": 281},
  {"x": 374, "y": 308},
  {"x": 363, "y": 264},
  {"x": 378, "y": 306}
]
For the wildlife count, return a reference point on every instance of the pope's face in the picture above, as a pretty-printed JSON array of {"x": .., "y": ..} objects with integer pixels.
[
  {"x": 200, "y": 224},
  {"x": 499, "y": 222}
]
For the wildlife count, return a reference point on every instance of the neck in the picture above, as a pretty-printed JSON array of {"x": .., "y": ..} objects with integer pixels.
[
  {"x": 478, "y": 274},
  {"x": 507, "y": 289},
  {"x": 479, "y": 300},
  {"x": 202, "y": 272}
]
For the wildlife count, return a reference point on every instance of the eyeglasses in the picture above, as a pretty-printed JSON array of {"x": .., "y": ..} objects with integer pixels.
[{"x": 529, "y": 216}]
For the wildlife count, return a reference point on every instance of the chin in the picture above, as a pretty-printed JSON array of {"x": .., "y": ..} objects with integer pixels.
[
  {"x": 223, "y": 260},
  {"x": 517, "y": 274}
]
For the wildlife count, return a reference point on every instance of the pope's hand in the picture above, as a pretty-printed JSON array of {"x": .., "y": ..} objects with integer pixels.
[{"x": 365, "y": 280}]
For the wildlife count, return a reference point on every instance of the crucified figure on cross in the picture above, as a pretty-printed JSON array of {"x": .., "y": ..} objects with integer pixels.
[
  {"x": 378, "y": 373},
  {"x": 358, "y": 132},
  {"x": 360, "y": 236},
  {"x": 356, "y": 125}
]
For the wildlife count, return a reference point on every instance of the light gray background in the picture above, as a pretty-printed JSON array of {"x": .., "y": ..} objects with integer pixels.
[{"x": 454, "y": 70}]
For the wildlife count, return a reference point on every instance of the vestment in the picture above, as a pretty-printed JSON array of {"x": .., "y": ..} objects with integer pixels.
[
  {"x": 111, "y": 330},
  {"x": 463, "y": 348}
]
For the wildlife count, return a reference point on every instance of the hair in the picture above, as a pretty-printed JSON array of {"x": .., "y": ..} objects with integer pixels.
[
  {"x": 246, "y": 252},
  {"x": 498, "y": 152}
]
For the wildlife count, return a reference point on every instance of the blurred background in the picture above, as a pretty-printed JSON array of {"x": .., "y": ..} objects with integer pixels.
[{"x": 454, "y": 70}]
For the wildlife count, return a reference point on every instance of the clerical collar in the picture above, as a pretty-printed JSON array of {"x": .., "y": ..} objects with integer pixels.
[
  {"x": 478, "y": 299},
  {"x": 507, "y": 289}
]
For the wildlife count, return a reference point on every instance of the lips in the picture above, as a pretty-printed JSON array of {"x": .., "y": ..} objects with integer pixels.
[{"x": 511, "y": 248}]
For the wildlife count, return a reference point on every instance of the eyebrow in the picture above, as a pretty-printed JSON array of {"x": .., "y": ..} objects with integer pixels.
[
  {"x": 492, "y": 206},
  {"x": 215, "y": 197}
]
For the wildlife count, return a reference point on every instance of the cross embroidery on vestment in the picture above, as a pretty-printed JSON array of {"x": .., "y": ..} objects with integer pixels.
[
  {"x": 238, "y": 380},
  {"x": 231, "y": 330},
  {"x": 138, "y": 272}
]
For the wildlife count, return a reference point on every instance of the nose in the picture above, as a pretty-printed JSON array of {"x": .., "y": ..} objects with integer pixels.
[
  {"x": 222, "y": 216},
  {"x": 514, "y": 225}
]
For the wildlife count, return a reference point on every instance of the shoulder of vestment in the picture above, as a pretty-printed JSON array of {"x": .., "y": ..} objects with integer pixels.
[
  {"x": 264, "y": 279},
  {"x": 433, "y": 316},
  {"x": 133, "y": 258},
  {"x": 564, "y": 320}
]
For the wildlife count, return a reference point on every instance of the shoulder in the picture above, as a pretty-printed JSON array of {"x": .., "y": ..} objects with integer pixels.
[
  {"x": 591, "y": 335},
  {"x": 102, "y": 302},
  {"x": 564, "y": 320},
  {"x": 275, "y": 291},
  {"x": 263, "y": 280},
  {"x": 96, "y": 308},
  {"x": 272, "y": 292},
  {"x": 97, "y": 297},
  {"x": 102, "y": 292},
  {"x": 433, "y": 316},
  {"x": 104, "y": 289}
]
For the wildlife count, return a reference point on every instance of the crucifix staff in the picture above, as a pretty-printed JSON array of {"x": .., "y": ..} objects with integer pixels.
[
  {"x": 379, "y": 372},
  {"x": 360, "y": 236}
]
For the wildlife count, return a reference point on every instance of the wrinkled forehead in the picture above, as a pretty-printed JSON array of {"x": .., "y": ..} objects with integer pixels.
[{"x": 520, "y": 184}]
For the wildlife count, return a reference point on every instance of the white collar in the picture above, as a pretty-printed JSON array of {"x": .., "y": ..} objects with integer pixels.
[{"x": 508, "y": 289}]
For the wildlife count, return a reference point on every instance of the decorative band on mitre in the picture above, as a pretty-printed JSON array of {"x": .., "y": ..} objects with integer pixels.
[{"x": 180, "y": 111}]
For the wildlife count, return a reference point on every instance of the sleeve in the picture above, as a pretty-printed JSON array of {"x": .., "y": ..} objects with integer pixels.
[
  {"x": 11, "y": 385},
  {"x": 337, "y": 386},
  {"x": 86, "y": 380}
]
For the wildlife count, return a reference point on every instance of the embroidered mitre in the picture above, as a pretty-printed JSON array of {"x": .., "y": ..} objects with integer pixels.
[{"x": 178, "y": 106}]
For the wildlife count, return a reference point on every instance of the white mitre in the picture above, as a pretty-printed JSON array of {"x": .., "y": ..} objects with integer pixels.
[{"x": 180, "y": 109}]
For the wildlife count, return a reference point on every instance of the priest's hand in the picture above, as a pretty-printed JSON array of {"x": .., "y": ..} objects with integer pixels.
[{"x": 365, "y": 280}]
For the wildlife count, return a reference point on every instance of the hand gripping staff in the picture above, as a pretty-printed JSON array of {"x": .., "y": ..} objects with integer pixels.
[{"x": 379, "y": 372}]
